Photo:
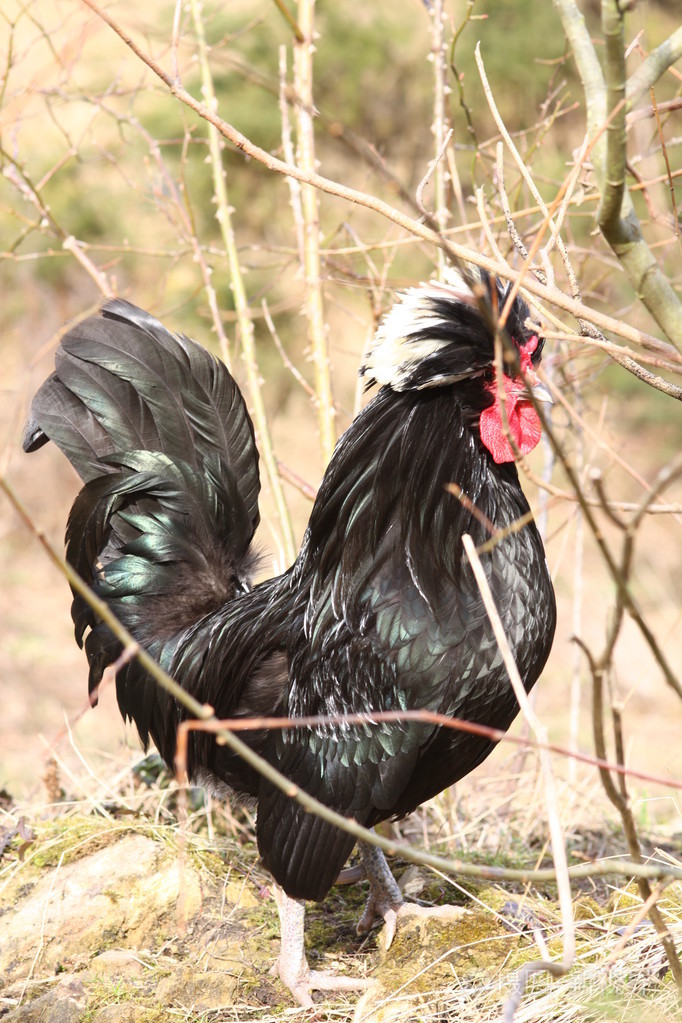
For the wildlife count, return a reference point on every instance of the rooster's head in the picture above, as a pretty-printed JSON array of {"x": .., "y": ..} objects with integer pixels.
[{"x": 440, "y": 334}]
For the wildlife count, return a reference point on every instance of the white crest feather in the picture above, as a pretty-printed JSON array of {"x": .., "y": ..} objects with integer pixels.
[{"x": 393, "y": 349}]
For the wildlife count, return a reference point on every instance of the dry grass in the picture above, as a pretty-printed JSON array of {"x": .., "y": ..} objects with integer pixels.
[{"x": 620, "y": 972}]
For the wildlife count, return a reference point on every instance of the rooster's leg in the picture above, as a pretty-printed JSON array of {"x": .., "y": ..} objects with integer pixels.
[
  {"x": 385, "y": 898},
  {"x": 293, "y": 966}
]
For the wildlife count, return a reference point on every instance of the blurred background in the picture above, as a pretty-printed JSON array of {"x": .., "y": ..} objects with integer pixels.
[{"x": 107, "y": 186}]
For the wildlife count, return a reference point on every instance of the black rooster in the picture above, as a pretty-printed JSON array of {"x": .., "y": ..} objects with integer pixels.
[{"x": 380, "y": 611}]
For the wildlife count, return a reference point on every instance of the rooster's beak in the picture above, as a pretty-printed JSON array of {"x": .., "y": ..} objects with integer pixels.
[{"x": 539, "y": 391}]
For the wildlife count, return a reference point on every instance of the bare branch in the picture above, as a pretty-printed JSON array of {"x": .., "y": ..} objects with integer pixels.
[
  {"x": 606, "y": 107},
  {"x": 653, "y": 68},
  {"x": 414, "y": 227},
  {"x": 242, "y": 307},
  {"x": 305, "y": 135}
]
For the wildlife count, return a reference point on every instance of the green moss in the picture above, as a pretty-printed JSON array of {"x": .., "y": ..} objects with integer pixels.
[
  {"x": 67, "y": 840},
  {"x": 427, "y": 952},
  {"x": 104, "y": 991},
  {"x": 624, "y": 900},
  {"x": 587, "y": 908},
  {"x": 671, "y": 900}
]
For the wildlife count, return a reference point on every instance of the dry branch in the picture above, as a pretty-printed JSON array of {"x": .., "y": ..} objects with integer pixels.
[
  {"x": 456, "y": 252},
  {"x": 605, "y": 100}
]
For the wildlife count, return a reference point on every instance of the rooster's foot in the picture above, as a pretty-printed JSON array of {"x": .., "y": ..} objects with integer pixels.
[
  {"x": 386, "y": 899},
  {"x": 292, "y": 965}
]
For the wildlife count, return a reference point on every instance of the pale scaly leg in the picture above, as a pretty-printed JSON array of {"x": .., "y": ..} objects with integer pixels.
[
  {"x": 386, "y": 899},
  {"x": 293, "y": 966}
]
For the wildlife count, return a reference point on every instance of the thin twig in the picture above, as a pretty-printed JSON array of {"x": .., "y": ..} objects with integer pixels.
[
  {"x": 288, "y": 150},
  {"x": 429, "y": 172},
  {"x": 664, "y": 149},
  {"x": 440, "y": 134},
  {"x": 415, "y": 227},
  {"x": 314, "y": 305},
  {"x": 622, "y": 803},
  {"x": 551, "y": 801},
  {"x": 224, "y": 218},
  {"x": 564, "y": 193},
  {"x": 293, "y": 369}
]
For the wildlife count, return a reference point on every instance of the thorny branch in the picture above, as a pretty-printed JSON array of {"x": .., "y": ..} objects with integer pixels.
[
  {"x": 312, "y": 264},
  {"x": 457, "y": 253},
  {"x": 242, "y": 307}
]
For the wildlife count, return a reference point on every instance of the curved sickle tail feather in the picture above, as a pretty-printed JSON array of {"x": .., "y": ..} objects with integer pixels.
[{"x": 158, "y": 431}]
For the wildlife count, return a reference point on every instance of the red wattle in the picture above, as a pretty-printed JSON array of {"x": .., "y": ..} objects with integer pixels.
[{"x": 524, "y": 426}]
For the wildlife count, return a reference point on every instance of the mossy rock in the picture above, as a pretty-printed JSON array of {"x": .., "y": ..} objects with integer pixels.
[
  {"x": 121, "y": 895},
  {"x": 66, "y": 840},
  {"x": 625, "y": 901},
  {"x": 427, "y": 949},
  {"x": 428, "y": 952},
  {"x": 586, "y": 908}
]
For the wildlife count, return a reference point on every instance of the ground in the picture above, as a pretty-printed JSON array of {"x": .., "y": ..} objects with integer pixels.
[{"x": 153, "y": 905}]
